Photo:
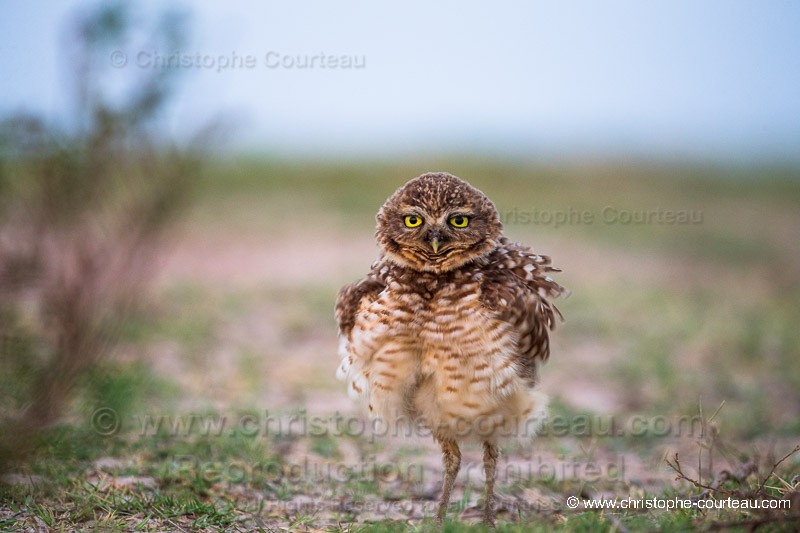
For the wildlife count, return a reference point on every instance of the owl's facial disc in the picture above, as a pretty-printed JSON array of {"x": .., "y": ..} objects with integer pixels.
[{"x": 436, "y": 223}]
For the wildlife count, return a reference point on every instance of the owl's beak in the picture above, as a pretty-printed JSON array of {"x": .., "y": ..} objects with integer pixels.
[{"x": 435, "y": 245}]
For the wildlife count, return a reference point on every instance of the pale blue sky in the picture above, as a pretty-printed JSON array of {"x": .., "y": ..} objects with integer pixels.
[{"x": 717, "y": 79}]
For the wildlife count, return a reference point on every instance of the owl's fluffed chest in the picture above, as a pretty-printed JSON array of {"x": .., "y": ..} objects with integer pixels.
[
  {"x": 443, "y": 338},
  {"x": 435, "y": 315}
]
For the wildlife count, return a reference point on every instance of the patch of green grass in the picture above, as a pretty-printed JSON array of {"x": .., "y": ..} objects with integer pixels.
[
  {"x": 199, "y": 494},
  {"x": 251, "y": 369},
  {"x": 20, "y": 361},
  {"x": 306, "y": 311},
  {"x": 325, "y": 446},
  {"x": 675, "y": 348}
]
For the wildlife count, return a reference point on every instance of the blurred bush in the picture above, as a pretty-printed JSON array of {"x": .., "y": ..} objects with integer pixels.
[{"x": 82, "y": 212}]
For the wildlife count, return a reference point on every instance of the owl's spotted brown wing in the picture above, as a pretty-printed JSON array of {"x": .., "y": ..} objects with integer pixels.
[
  {"x": 351, "y": 304},
  {"x": 350, "y": 298},
  {"x": 518, "y": 289}
]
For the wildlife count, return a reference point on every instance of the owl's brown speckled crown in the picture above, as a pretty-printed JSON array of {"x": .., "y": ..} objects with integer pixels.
[{"x": 436, "y": 245}]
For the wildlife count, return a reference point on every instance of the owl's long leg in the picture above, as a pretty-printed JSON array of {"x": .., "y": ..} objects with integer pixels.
[
  {"x": 490, "y": 453},
  {"x": 451, "y": 458}
]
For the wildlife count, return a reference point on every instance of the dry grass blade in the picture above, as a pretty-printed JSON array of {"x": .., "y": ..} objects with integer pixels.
[{"x": 760, "y": 489}]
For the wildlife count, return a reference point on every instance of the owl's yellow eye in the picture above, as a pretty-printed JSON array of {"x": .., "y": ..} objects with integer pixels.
[
  {"x": 459, "y": 221},
  {"x": 412, "y": 221}
]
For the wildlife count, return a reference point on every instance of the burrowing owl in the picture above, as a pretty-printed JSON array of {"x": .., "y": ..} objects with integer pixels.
[{"x": 448, "y": 328}]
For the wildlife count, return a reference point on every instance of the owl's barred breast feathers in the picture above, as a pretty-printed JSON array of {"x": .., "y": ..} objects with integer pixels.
[{"x": 450, "y": 332}]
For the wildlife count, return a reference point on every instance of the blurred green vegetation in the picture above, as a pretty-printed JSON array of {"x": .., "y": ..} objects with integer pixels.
[
  {"x": 83, "y": 211},
  {"x": 739, "y": 207}
]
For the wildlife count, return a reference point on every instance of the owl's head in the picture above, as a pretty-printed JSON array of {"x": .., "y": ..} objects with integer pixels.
[{"x": 436, "y": 223}]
